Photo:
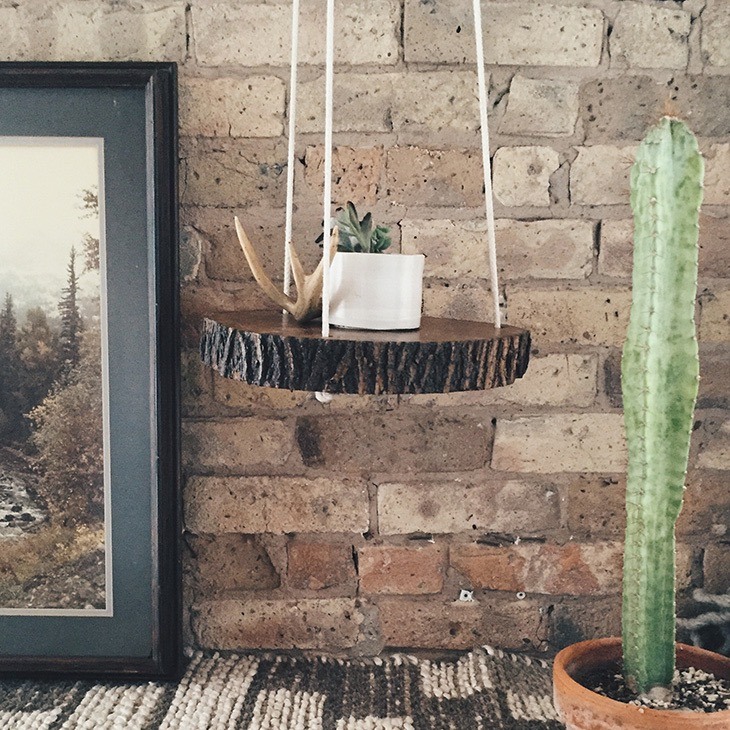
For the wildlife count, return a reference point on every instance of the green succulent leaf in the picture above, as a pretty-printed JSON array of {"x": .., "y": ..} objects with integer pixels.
[{"x": 359, "y": 236}]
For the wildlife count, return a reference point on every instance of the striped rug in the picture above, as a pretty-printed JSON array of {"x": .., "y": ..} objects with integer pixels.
[{"x": 486, "y": 689}]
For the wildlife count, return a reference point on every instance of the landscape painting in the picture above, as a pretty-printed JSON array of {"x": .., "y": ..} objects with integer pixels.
[{"x": 54, "y": 491}]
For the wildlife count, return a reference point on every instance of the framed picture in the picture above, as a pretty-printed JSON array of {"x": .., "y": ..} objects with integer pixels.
[{"x": 89, "y": 415}]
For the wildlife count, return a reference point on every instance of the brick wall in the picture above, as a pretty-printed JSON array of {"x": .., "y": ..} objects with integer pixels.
[{"x": 352, "y": 526}]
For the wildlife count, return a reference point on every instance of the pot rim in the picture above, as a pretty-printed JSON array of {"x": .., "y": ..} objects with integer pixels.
[
  {"x": 379, "y": 254},
  {"x": 612, "y": 646}
]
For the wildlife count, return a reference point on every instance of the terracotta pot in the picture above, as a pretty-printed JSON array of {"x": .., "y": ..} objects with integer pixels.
[{"x": 582, "y": 709}]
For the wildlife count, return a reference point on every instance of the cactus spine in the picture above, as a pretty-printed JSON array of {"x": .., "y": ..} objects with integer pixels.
[{"x": 660, "y": 373}]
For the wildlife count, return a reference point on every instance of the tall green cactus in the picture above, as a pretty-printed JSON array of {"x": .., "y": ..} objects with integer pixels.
[{"x": 660, "y": 373}]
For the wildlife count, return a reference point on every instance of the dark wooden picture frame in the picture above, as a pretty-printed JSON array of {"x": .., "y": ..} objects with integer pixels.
[{"x": 131, "y": 109}]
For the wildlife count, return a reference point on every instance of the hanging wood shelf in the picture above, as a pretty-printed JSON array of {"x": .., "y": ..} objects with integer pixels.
[{"x": 444, "y": 355}]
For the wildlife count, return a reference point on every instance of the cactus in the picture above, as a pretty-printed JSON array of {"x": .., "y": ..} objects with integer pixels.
[{"x": 660, "y": 373}]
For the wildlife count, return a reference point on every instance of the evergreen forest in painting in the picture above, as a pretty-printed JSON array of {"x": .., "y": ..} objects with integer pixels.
[{"x": 52, "y": 496}]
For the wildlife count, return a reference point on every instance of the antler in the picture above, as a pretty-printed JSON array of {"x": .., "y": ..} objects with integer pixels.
[{"x": 308, "y": 304}]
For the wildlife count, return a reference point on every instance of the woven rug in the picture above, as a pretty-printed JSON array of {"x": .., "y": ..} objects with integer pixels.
[{"x": 484, "y": 690}]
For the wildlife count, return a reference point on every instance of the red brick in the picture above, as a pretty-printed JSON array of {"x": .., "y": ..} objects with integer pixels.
[
  {"x": 396, "y": 569},
  {"x": 570, "y": 569},
  {"x": 319, "y": 565}
]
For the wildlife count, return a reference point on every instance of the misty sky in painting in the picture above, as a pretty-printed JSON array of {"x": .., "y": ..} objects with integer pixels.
[{"x": 41, "y": 180}]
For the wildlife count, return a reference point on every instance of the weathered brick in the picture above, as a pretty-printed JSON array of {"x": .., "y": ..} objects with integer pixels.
[
  {"x": 83, "y": 31},
  {"x": 623, "y": 108},
  {"x": 431, "y": 103},
  {"x": 401, "y": 569},
  {"x": 362, "y": 103},
  {"x": 276, "y": 505},
  {"x": 577, "y": 619},
  {"x": 512, "y": 506},
  {"x": 706, "y": 509},
  {"x": 465, "y": 299},
  {"x": 616, "y": 251},
  {"x": 329, "y": 624},
  {"x": 412, "y": 103},
  {"x": 238, "y": 395},
  {"x": 522, "y": 175},
  {"x": 717, "y": 175},
  {"x": 230, "y": 562},
  {"x": 551, "y": 380},
  {"x": 714, "y": 383},
  {"x": 544, "y": 107},
  {"x": 646, "y": 36},
  {"x": 547, "y": 249},
  {"x": 595, "y": 506},
  {"x": 570, "y": 569},
  {"x": 395, "y": 442},
  {"x": 195, "y": 383},
  {"x": 367, "y": 32},
  {"x": 356, "y": 174},
  {"x": 222, "y": 255},
  {"x": 590, "y": 316},
  {"x": 438, "y": 624},
  {"x": 715, "y": 32},
  {"x": 233, "y": 173},
  {"x": 417, "y": 176},
  {"x": 514, "y": 33},
  {"x": 319, "y": 565},
  {"x": 619, "y": 109},
  {"x": 716, "y": 452},
  {"x": 248, "y": 107},
  {"x": 191, "y": 253},
  {"x": 600, "y": 175},
  {"x": 235, "y": 444},
  {"x": 715, "y": 317},
  {"x": 198, "y": 300},
  {"x": 716, "y": 567},
  {"x": 585, "y": 442}
]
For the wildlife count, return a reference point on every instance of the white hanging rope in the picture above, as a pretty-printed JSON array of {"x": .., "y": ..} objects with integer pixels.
[
  {"x": 486, "y": 164},
  {"x": 292, "y": 133},
  {"x": 327, "y": 197},
  {"x": 328, "y": 124}
]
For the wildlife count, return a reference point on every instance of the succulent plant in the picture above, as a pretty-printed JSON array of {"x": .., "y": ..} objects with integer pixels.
[
  {"x": 660, "y": 373},
  {"x": 359, "y": 236}
]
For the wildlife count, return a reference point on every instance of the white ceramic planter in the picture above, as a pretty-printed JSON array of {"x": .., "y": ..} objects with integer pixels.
[{"x": 376, "y": 291}]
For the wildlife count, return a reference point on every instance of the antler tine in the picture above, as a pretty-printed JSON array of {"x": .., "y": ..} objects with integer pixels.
[
  {"x": 296, "y": 267},
  {"x": 258, "y": 272},
  {"x": 334, "y": 242}
]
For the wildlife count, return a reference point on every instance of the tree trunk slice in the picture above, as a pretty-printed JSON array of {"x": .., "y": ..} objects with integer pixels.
[{"x": 444, "y": 355}]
